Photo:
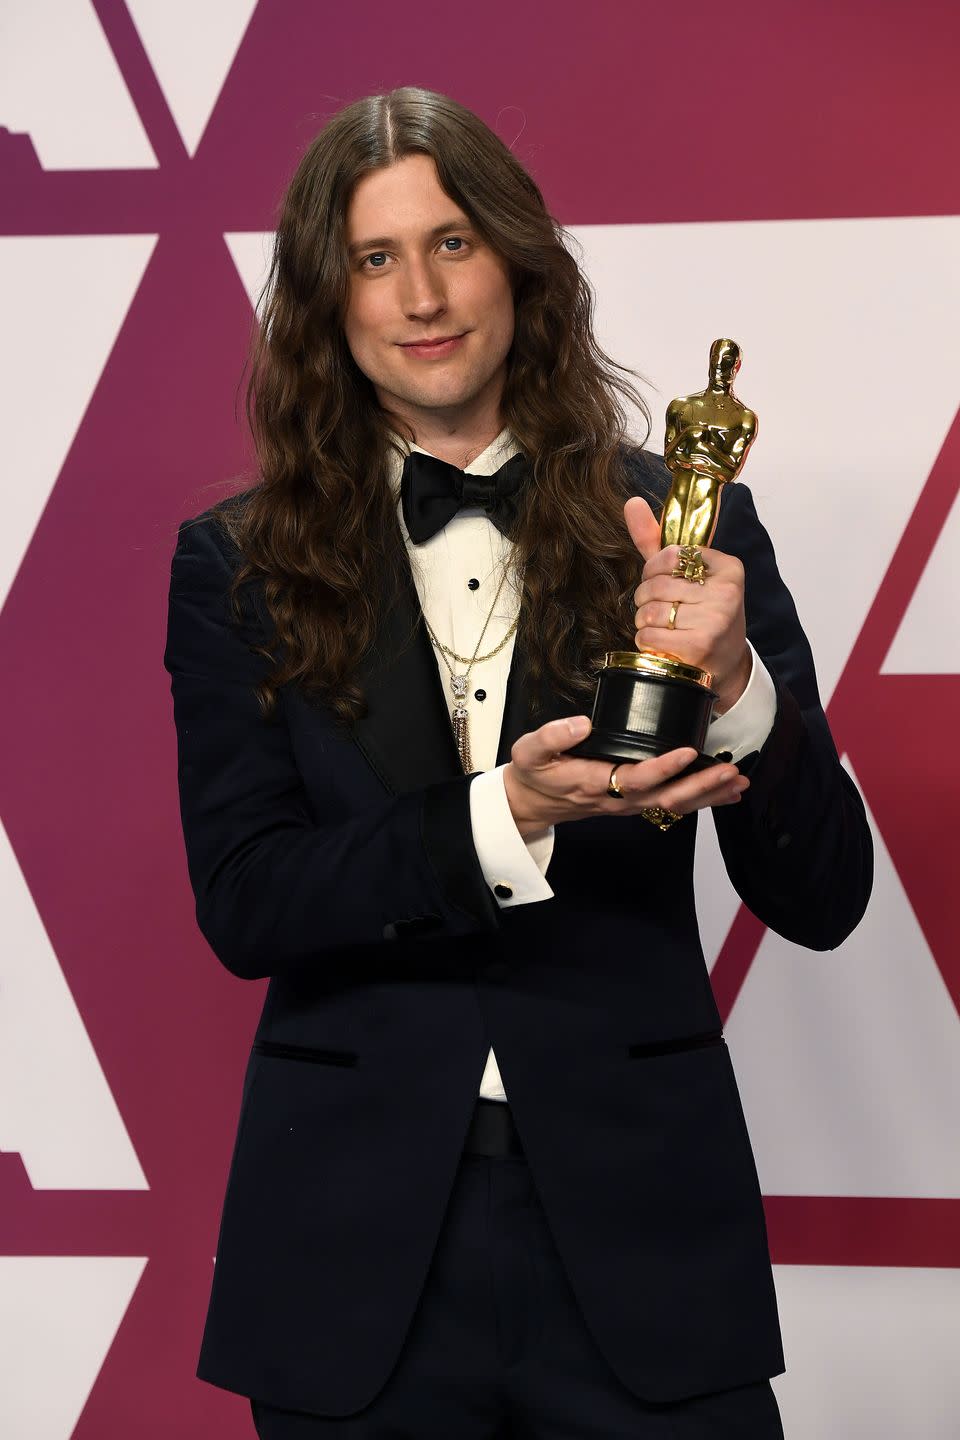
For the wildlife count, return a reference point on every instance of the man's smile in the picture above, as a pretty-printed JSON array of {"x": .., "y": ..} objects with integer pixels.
[{"x": 432, "y": 349}]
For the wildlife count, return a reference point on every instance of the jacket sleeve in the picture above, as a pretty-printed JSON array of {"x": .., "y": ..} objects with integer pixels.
[
  {"x": 797, "y": 847},
  {"x": 277, "y": 886}
]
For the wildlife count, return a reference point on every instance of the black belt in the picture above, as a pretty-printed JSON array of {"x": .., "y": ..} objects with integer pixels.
[{"x": 492, "y": 1130}]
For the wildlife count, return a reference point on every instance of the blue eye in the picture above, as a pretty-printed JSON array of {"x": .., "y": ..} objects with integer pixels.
[
  {"x": 377, "y": 260},
  {"x": 455, "y": 241}
]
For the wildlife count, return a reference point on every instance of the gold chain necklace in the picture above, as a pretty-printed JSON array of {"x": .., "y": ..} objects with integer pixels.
[{"x": 460, "y": 715}]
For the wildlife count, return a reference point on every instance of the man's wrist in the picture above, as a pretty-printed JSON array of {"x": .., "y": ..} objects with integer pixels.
[
  {"x": 518, "y": 796},
  {"x": 745, "y": 726},
  {"x": 730, "y": 692}
]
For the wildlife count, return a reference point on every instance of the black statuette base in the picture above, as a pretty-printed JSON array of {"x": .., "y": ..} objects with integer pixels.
[{"x": 637, "y": 716}]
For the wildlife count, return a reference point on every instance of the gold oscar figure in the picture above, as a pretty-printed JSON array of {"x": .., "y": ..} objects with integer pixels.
[
  {"x": 649, "y": 701},
  {"x": 704, "y": 448}
]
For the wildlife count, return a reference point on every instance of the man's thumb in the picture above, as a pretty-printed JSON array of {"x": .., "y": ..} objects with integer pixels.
[{"x": 643, "y": 526}]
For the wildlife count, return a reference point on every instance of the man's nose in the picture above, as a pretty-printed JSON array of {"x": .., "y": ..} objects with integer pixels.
[{"x": 423, "y": 296}]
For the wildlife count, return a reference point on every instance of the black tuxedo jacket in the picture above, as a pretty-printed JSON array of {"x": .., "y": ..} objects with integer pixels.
[{"x": 340, "y": 864}]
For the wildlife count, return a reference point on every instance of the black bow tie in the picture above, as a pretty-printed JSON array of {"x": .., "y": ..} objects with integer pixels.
[{"x": 432, "y": 491}]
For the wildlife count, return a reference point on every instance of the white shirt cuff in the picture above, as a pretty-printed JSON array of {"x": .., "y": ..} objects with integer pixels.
[
  {"x": 746, "y": 724},
  {"x": 514, "y": 869}
]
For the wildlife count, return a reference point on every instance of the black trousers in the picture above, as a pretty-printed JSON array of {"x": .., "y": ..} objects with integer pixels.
[{"x": 498, "y": 1347}]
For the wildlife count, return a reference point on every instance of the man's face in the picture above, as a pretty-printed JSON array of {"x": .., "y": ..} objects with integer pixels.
[{"x": 430, "y": 306}]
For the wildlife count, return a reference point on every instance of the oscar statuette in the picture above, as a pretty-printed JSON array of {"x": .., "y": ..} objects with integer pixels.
[{"x": 648, "y": 701}]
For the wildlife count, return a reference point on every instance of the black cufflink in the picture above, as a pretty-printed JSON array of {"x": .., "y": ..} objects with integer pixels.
[{"x": 503, "y": 892}]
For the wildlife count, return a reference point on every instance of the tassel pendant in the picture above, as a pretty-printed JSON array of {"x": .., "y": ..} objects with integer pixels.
[
  {"x": 461, "y": 734},
  {"x": 461, "y": 721}
]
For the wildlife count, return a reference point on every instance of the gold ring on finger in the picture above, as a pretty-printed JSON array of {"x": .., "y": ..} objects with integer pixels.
[
  {"x": 663, "y": 819},
  {"x": 672, "y": 622},
  {"x": 690, "y": 565},
  {"x": 613, "y": 785}
]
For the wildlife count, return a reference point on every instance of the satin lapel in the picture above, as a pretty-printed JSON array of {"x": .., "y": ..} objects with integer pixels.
[
  {"x": 518, "y": 717},
  {"x": 406, "y": 734}
]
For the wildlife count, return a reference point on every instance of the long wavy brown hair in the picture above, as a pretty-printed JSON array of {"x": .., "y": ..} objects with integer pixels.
[{"x": 319, "y": 530}]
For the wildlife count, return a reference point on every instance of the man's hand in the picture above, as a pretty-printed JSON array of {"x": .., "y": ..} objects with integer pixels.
[
  {"x": 545, "y": 786},
  {"x": 709, "y": 629}
]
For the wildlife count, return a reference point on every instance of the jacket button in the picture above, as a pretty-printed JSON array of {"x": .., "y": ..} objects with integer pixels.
[
  {"x": 502, "y": 891},
  {"x": 783, "y": 840},
  {"x": 416, "y": 925}
]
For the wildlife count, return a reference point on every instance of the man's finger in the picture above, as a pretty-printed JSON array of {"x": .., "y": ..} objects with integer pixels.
[
  {"x": 720, "y": 785},
  {"x": 538, "y": 747},
  {"x": 653, "y": 775},
  {"x": 643, "y": 526},
  {"x": 639, "y": 777}
]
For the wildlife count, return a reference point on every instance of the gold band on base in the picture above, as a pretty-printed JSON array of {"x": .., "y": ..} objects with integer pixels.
[{"x": 656, "y": 662}]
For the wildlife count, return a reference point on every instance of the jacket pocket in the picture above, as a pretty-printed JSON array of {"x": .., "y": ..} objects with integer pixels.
[
  {"x": 309, "y": 1053},
  {"x": 645, "y": 1051}
]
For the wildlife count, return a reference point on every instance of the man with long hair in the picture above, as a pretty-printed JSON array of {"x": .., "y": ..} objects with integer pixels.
[{"x": 491, "y": 1175}]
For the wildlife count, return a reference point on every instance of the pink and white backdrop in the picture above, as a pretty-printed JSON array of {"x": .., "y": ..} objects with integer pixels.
[{"x": 785, "y": 174}]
